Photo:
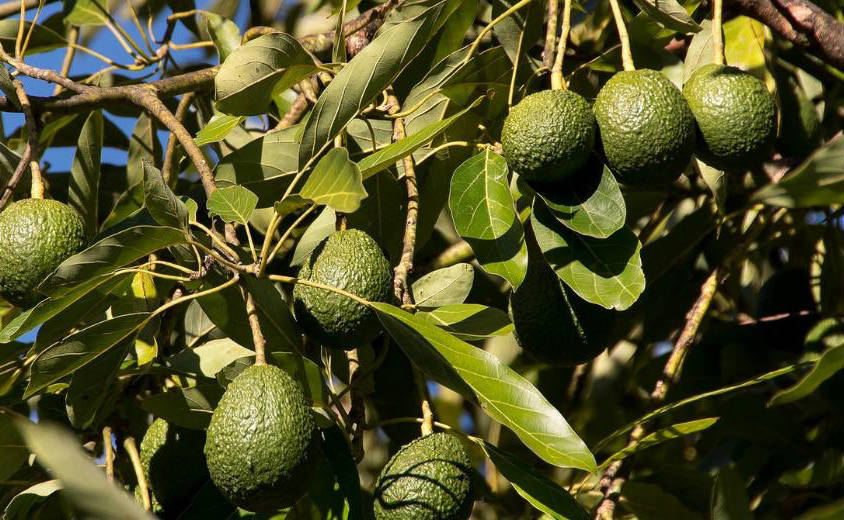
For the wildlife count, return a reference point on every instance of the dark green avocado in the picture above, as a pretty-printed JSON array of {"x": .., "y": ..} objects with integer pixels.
[
  {"x": 429, "y": 478},
  {"x": 646, "y": 130},
  {"x": 735, "y": 114},
  {"x": 36, "y": 235},
  {"x": 262, "y": 445},
  {"x": 549, "y": 135},
  {"x": 350, "y": 260}
]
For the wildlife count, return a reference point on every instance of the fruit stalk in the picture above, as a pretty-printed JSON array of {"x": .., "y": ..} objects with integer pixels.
[
  {"x": 626, "y": 54},
  {"x": 717, "y": 33},
  {"x": 255, "y": 326},
  {"x": 550, "y": 33},
  {"x": 37, "y": 189},
  {"x": 557, "y": 80},
  {"x": 132, "y": 450},
  {"x": 108, "y": 453}
]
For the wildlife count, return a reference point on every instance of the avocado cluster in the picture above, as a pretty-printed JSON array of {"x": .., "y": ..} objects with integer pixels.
[
  {"x": 36, "y": 235},
  {"x": 429, "y": 478},
  {"x": 352, "y": 261}
]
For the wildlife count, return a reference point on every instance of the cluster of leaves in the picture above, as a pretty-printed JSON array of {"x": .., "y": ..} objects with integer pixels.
[{"x": 150, "y": 319}]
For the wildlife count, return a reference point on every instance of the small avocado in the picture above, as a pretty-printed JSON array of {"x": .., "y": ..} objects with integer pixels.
[
  {"x": 549, "y": 135},
  {"x": 646, "y": 129},
  {"x": 261, "y": 445},
  {"x": 350, "y": 260},
  {"x": 174, "y": 465},
  {"x": 36, "y": 235},
  {"x": 429, "y": 478},
  {"x": 735, "y": 114}
]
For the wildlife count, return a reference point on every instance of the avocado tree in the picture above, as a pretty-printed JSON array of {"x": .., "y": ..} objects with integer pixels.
[{"x": 422, "y": 259}]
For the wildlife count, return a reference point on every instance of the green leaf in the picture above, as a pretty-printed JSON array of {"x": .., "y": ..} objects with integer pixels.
[
  {"x": 110, "y": 253},
  {"x": 43, "y": 38},
  {"x": 729, "y": 497},
  {"x": 86, "y": 12},
  {"x": 518, "y": 31},
  {"x": 290, "y": 205},
  {"x": 217, "y": 128},
  {"x": 336, "y": 450},
  {"x": 744, "y": 47},
  {"x": 542, "y": 493},
  {"x": 716, "y": 181},
  {"x": 254, "y": 72},
  {"x": 364, "y": 77},
  {"x": 320, "y": 228},
  {"x": 85, "y": 172},
  {"x": 672, "y": 432},
  {"x": 307, "y": 373},
  {"x": 700, "y": 50},
  {"x": 90, "y": 385},
  {"x": 83, "y": 484},
  {"x": 209, "y": 358},
  {"x": 162, "y": 204},
  {"x": 80, "y": 348},
  {"x": 274, "y": 314},
  {"x": 670, "y": 14},
  {"x": 605, "y": 272},
  {"x": 232, "y": 204},
  {"x": 8, "y": 87},
  {"x": 13, "y": 452},
  {"x": 186, "y": 407},
  {"x": 24, "y": 505},
  {"x": 592, "y": 209},
  {"x": 444, "y": 286},
  {"x": 829, "y": 364},
  {"x": 383, "y": 213},
  {"x": 470, "y": 321},
  {"x": 484, "y": 215},
  {"x": 224, "y": 33},
  {"x": 387, "y": 156},
  {"x": 336, "y": 182},
  {"x": 651, "y": 502},
  {"x": 817, "y": 181},
  {"x": 503, "y": 394}
]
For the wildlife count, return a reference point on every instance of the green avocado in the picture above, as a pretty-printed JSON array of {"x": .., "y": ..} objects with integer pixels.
[
  {"x": 736, "y": 117},
  {"x": 549, "y": 135},
  {"x": 261, "y": 444},
  {"x": 174, "y": 464},
  {"x": 646, "y": 129},
  {"x": 36, "y": 235},
  {"x": 429, "y": 478},
  {"x": 348, "y": 260}
]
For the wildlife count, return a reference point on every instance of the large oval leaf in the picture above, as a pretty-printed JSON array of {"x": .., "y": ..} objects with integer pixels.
[
  {"x": 445, "y": 286},
  {"x": 85, "y": 172},
  {"x": 336, "y": 182}
]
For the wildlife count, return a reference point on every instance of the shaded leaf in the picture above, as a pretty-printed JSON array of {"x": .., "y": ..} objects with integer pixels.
[
  {"x": 518, "y": 31},
  {"x": 670, "y": 14},
  {"x": 224, "y": 33},
  {"x": 307, "y": 373},
  {"x": 85, "y": 172},
  {"x": 470, "y": 321},
  {"x": 320, "y": 228},
  {"x": 24, "y": 505},
  {"x": 186, "y": 407},
  {"x": 729, "y": 497},
  {"x": 43, "y": 38},
  {"x": 13, "y": 452},
  {"x": 233, "y": 204},
  {"x": 716, "y": 181},
  {"x": 86, "y": 12},
  {"x": 336, "y": 182},
  {"x": 89, "y": 387},
  {"x": 651, "y": 502},
  {"x": 163, "y": 205},
  {"x": 700, "y": 50},
  {"x": 336, "y": 450},
  {"x": 672, "y": 432},
  {"x": 444, "y": 286},
  {"x": 829, "y": 364}
]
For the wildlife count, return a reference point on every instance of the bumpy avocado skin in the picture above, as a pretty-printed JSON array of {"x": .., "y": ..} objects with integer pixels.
[
  {"x": 36, "y": 235},
  {"x": 429, "y": 478},
  {"x": 646, "y": 129},
  {"x": 261, "y": 445},
  {"x": 174, "y": 464},
  {"x": 352, "y": 261},
  {"x": 549, "y": 135},
  {"x": 735, "y": 114}
]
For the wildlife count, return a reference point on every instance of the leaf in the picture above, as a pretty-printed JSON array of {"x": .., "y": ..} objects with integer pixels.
[
  {"x": 209, "y": 358},
  {"x": 43, "y": 38},
  {"x": 224, "y": 33},
  {"x": 13, "y": 452},
  {"x": 716, "y": 181},
  {"x": 83, "y": 484},
  {"x": 79, "y": 349},
  {"x": 470, "y": 321},
  {"x": 186, "y": 407},
  {"x": 254, "y": 72},
  {"x": 444, "y": 286},
  {"x": 518, "y": 31},
  {"x": 672, "y": 432},
  {"x": 605, "y": 272},
  {"x": 830, "y": 363},
  {"x": 503, "y": 394},
  {"x": 163, "y": 205},
  {"x": 744, "y": 47},
  {"x": 596, "y": 210},
  {"x": 274, "y": 314},
  {"x": 233, "y": 204},
  {"x": 536, "y": 488},
  {"x": 336, "y": 182},
  {"x": 110, "y": 253},
  {"x": 85, "y": 172},
  {"x": 336, "y": 450},
  {"x": 320, "y": 228},
  {"x": 651, "y": 502},
  {"x": 484, "y": 215},
  {"x": 387, "y": 156},
  {"x": 23, "y": 505},
  {"x": 217, "y": 128},
  {"x": 364, "y": 77},
  {"x": 307, "y": 373},
  {"x": 8, "y": 88},
  {"x": 86, "y": 12},
  {"x": 729, "y": 497},
  {"x": 817, "y": 181},
  {"x": 670, "y": 14},
  {"x": 290, "y": 205},
  {"x": 89, "y": 387},
  {"x": 700, "y": 50}
]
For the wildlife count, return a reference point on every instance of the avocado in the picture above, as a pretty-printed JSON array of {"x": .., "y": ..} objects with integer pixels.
[
  {"x": 645, "y": 127},
  {"x": 261, "y": 445},
  {"x": 735, "y": 114},
  {"x": 36, "y": 235},
  {"x": 549, "y": 135},
  {"x": 429, "y": 478},
  {"x": 352, "y": 261},
  {"x": 174, "y": 465}
]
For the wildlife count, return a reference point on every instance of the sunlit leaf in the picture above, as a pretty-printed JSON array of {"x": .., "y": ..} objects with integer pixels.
[
  {"x": 233, "y": 204},
  {"x": 829, "y": 364},
  {"x": 469, "y": 321},
  {"x": 672, "y": 432},
  {"x": 217, "y": 128},
  {"x": 444, "y": 286},
  {"x": 161, "y": 203},
  {"x": 336, "y": 182}
]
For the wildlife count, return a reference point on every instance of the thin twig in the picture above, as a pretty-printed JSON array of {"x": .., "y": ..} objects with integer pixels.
[
  {"x": 626, "y": 54},
  {"x": 294, "y": 113},
  {"x": 108, "y": 451},
  {"x": 357, "y": 412},
  {"x": 170, "y": 152},
  {"x": 23, "y": 164},
  {"x": 72, "y": 37},
  {"x": 132, "y": 450},
  {"x": 37, "y": 189},
  {"x": 550, "y": 33},
  {"x": 717, "y": 33},
  {"x": 557, "y": 80},
  {"x": 255, "y": 326}
]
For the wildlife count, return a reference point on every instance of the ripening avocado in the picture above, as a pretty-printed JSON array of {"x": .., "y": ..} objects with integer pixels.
[
  {"x": 174, "y": 465},
  {"x": 645, "y": 127},
  {"x": 350, "y": 260},
  {"x": 549, "y": 135},
  {"x": 36, "y": 235},
  {"x": 429, "y": 478},
  {"x": 735, "y": 114},
  {"x": 261, "y": 444}
]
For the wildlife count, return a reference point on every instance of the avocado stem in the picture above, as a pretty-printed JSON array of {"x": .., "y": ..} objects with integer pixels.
[
  {"x": 557, "y": 80},
  {"x": 626, "y": 54},
  {"x": 427, "y": 426},
  {"x": 258, "y": 340},
  {"x": 717, "y": 33}
]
